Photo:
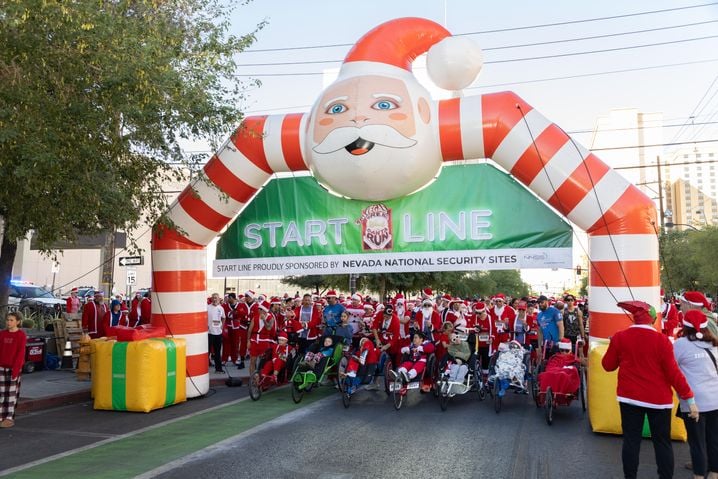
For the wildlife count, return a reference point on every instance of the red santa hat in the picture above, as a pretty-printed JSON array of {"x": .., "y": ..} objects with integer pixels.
[
  {"x": 695, "y": 319},
  {"x": 455, "y": 300},
  {"x": 356, "y": 297},
  {"x": 368, "y": 306},
  {"x": 264, "y": 306},
  {"x": 480, "y": 307},
  {"x": 282, "y": 335},
  {"x": 427, "y": 292},
  {"x": 74, "y": 290},
  {"x": 331, "y": 294},
  {"x": 696, "y": 298},
  {"x": 276, "y": 300},
  {"x": 399, "y": 297},
  {"x": 500, "y": 296},
  {"x": 446, "y": 297},
  {"x": 564, "y": 344},
  {"x": 250, "y": 293},
  {"x": 453, "y": 63}
]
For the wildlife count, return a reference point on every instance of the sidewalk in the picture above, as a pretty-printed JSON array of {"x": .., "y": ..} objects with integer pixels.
[{"x": 46, "y": 389}]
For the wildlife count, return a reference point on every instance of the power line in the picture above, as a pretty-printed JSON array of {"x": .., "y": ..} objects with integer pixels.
[
  {"x": 680, "y": 163},
  {"x": 509, "y": 60},
  {"x": 680, "y": 132},
  {"x": 500, "y": 30},
  {"x": 655, "y": 145}
]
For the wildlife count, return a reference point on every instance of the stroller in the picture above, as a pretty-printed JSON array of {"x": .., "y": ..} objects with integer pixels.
[{"x": 509, "y": 369}]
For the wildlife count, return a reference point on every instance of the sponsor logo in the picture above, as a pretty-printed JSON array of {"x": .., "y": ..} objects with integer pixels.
[{"x": 376, "y": 228}]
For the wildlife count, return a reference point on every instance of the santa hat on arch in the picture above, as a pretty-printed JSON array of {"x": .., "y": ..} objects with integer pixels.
[
  {"x": 695, "y": 319},
  {"x": 452, "y": 63}
]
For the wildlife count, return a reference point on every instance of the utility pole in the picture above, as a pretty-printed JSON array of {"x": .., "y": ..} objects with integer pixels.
[
  {"x": 660, "y": 191},
  {"x": 107, "y": 261}
]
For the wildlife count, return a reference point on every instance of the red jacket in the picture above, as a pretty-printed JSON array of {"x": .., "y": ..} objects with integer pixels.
[
  {"x": 134, "y": 311},
  {"x": 646, "y": 367},
  {"x": 12, "y": 350},
  {"x": 669, "y": 315},
  {"x": 313, "y": 330},
  {"x": 92, "y": 319},
  {"x": 145, "y": 310},
  {"x": 435, "y": 321},
  {"x": 245, "y": 313},
  {"x": 230, "y": 313},
  {"x": 388, "y": 333}
]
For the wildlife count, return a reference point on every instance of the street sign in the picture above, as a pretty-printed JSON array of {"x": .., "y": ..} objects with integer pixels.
[
  {"x": 132, "y": 260},
  {"x": 131, "y": 277}
]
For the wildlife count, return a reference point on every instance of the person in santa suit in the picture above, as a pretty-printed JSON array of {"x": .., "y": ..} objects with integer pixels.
[
  {"x": 647, "y": 375},
  {"x": 230, "y": 346},
  {"x": 444, "y": 306},
  {"x": 244, "y": 314},
  {"x": 262, "y": 335},
  {"x": 311, "y": 319},
  {"x": 482, "y": 326},
  {"x": 385, "y": 330},
  {"x": 135, "y": 309},
  {"x": 114, "y": 317},
  {"x": 362, "y": 364},
  {"x": 355, "y": 310},
  {"x": 427, "y": 319},
  {"x": 404, "y": 320},
  {"x": 502, "y": 320},
  {"x": 146, "y": 308},
  {"x": 93, "y": 315},
  {"x": 532, "y": 327},
  {"x": 280, "y": 353},
  {"x": 669, "y": 316},
  {"x": 73, "y": 304},
  {"x": 293, "y": 327},
  {"x": 451, "y": 313},
  {"x": 417, "y": 354}
]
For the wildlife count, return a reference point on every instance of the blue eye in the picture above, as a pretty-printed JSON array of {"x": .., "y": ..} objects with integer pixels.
[
  {"x": 384, "y": 105},
  {"x": 336, "y": 109}
]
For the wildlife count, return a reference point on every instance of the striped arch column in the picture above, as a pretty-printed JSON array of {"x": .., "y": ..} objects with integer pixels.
[
  {"x": 260, "y": 147},
  {"x": 618, "y": 217}
]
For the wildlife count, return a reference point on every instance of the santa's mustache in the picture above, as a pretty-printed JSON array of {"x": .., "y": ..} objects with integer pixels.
[{"x": 384, "y": 135}]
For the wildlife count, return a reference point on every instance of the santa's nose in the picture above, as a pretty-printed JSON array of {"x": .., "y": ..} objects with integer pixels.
[{"x": 360, "y": 119}]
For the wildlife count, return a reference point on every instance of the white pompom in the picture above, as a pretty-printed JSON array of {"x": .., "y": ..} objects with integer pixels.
[{"x": 454, "y": 62}]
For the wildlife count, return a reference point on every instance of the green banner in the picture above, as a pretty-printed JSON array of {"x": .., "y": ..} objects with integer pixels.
[{"x": 473, "y": 217}]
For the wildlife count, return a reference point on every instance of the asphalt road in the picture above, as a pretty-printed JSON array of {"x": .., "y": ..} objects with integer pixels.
[{"x": 224, "y": 436}]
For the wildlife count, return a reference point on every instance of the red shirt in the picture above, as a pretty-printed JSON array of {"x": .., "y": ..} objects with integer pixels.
[
  {"x": 647, "y": 368},
  {"x": 12, "y": 350}
]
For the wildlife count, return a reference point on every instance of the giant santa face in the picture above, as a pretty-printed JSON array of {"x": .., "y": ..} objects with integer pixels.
[{"x": 371, "y": 137}]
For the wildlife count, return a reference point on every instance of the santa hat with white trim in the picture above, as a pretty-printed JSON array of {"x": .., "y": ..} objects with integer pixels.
[
  {"x": 453, "y": 63},
  {"x": 564, "y": 345},
  {"x": 697, "y": 320},
  {"x": 696, "y": 298}
]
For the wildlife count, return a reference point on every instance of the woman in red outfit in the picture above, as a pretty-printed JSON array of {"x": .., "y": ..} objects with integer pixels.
[
  {"x": 647, "y": 370},
  {"x": 12, "y": 358}
]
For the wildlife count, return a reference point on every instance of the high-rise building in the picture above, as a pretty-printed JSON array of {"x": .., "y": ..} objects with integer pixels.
[{"x": 691, "y": 186}]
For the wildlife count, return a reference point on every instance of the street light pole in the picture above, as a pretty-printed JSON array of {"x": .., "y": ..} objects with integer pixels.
[{"x": 671, "y": 225}]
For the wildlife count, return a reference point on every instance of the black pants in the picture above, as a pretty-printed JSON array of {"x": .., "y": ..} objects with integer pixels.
[
  {"x": 703, "y": 441},
  {"x": 660, "y": 422},
  {"x": 215, "y": 347}
]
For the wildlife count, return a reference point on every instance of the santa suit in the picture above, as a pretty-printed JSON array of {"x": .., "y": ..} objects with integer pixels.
[
  {"x": 428, "y": 321},
  {"x": 265, "y": 337},
  {"x": 145, "y": 310},
  {"x": 313, "y": 327},
  {"x": 230, "y": 348},
  {"x": 293, "y": 327},
  {"x": 531, "y": 329},
  {"x": 245, "y": 313},
  {"x": 92, "y": 319},
  {"x": 388, "y": 331},
  {"x": 280, "y": 352},
  {"x": 107, "y": 321},
  {"x": 135, "y": 311},
  {"x": 502, "y": 321},
  {"x": 416, "y": 361},
  {"x": 367, "y": 354},
  {"x": 669, "y": 319}
]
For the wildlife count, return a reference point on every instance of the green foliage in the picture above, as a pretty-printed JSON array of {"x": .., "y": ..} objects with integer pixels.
[
  {"x": 94, "y": 100},
  {"x": 688, "y": 261}
]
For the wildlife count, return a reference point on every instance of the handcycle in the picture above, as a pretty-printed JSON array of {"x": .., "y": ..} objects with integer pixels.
[
  {"x": 306, "y": 376},
  {"x": 398, "y": 387},
  {"x": 261, "y": 382},
  {"x": 559, "y": 387}
]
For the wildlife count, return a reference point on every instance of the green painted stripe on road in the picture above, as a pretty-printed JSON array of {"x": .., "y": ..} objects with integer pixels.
[
  {"x": 148, "y": 450},
  {"x": 119, "y": 376}
]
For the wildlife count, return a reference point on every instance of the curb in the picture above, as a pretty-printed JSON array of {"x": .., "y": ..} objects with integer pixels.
[{"x": 26, "y": 405}]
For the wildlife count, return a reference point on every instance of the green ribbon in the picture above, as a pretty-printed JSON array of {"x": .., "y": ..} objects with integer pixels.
[
  {"x": 171, "y": 352},
  {"x": 119, "y": 376}
]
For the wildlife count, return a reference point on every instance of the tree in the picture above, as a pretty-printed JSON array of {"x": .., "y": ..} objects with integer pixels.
[{"x": 95, "y": 98}]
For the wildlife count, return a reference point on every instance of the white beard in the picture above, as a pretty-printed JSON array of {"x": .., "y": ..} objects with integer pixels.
[
  {"x": 498, "y": 311},
  {"x": 426, "y": 312}
]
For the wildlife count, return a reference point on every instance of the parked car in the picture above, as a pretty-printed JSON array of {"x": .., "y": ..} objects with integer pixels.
[
  {"x": 85, "y": 293},
  {"x": 33, "y": 298}
]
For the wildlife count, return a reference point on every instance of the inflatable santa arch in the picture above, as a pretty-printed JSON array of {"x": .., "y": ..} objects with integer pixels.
[{"x": 376, "y": 134}]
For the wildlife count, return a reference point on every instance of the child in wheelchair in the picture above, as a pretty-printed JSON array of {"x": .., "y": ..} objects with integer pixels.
[
  {"x": 414, "y": 358},
  {"x": 362, "y": 365},
  {"x": 317, "y": 356},
  {"x": 458, "y": 355}
]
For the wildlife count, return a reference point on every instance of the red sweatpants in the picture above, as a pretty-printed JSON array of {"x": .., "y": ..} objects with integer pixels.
[{"x": 230, "y": 345}]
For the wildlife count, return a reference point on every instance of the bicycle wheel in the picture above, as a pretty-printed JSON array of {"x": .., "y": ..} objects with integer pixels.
[
  {"x": 549, "y": 406},
  {"x": 398, "y": 393},
  {"x": 443, "y": 395},
  {"x": 297, "y": 393},
  {"x": 346, "y": 397},
  {"x": 497, "y": 398},
  {"x": 388, "y": 366},
  {"x": 535, "y": 386},
  {"x": 582, "y": 391},
  {"x": 255, "y": 392}
]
